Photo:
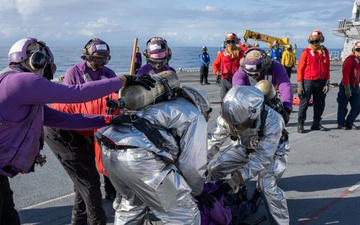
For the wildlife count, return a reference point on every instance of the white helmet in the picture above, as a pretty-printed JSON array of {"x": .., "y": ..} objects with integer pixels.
[{"x": 267, "y": 88}]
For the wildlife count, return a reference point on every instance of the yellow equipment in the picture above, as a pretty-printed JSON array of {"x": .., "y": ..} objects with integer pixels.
[{"x": 265, "y": 38}]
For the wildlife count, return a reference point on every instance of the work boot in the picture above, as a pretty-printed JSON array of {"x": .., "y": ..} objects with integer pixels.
[
  {"x": 75, "y": 220},
  {"x": 317, "y": 126},
  {"x": 300, "y": 128}
]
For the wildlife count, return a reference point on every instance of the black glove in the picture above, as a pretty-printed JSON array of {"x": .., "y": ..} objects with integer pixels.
[
  {"x": 144, "y": 80},
  {"x": 205, "y": 199},
  {"x": 223, "y": 189},
  {"x": 286, "y": 115},
  {"x": 218, "y": 79}
]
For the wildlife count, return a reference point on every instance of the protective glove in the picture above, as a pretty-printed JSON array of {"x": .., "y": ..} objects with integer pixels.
[
  {"x": 40, "y": 160},
  {"x": 347, "y": 90},
  {"x": 218, "y": 79},
  {"x": 205, "y": 199},
  {"x": 300, "y": 89},
  {"x": 144, "y": 80},
  {"x": 223, "y": 189},
  {"x": 326, "y": 88},
  {"x": 286, "y": 115}
]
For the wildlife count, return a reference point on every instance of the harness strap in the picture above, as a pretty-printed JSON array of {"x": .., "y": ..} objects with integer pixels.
[
  {"x": 263, "y": 116},
  {"x": 144, "y": 126}
]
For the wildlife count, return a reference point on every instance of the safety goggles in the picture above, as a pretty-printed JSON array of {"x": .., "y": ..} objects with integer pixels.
[
  {"x": 232, "y": 41},
  {"x": 314, "y": 41},
  {"x": 158, "y": 64},
  {"x": 100, "y": 60}
]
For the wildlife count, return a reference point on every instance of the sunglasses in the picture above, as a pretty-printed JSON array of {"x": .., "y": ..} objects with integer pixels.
[
  {"x": 357, "y": 50},
  {"x": 232, "y": 41},
  {"x": 314, "y": 41}
]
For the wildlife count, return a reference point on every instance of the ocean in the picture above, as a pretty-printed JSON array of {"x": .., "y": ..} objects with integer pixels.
[{"x": 182, "y": 57}]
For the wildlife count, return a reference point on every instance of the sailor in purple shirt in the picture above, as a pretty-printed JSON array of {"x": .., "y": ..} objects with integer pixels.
[
  {"x": 157, "y": 55},
  {"x": 257, "y": 65},
  {"x": 228, "y": 208},
  {"x": 25, "y": 90}
]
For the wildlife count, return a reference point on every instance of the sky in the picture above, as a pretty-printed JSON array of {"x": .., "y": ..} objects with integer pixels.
[{"x": 180, "y": 22}]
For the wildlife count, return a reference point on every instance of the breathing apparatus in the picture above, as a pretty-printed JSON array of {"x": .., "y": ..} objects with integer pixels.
[{"x": 136, "y": 97}]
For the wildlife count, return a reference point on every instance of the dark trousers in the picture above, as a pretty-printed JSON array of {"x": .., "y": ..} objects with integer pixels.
[
  {"x": 239, "y": 211},
  {"x": 288, "y": 71},
  {"x": 204, "y": 72},
  {"x": 76, "y": 154},
  {"x": 343, "y": 101},
  {"x": 8, "y": 213},
  {"x": 225, "y": 86},
  {"x": 312, "y": 88}
]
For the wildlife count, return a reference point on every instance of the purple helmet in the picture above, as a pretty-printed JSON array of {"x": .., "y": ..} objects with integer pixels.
[
  {"x": 254, "y": 61},
  {"x": 96, "y": 47},
  {"x": 17, "y": 52},
  {"x": 157, "y": 49},
  {"x": 40, "y": 59}
]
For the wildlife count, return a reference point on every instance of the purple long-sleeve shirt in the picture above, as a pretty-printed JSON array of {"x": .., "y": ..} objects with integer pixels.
[
  {"x": 81, "y": 73},
  {"x": 278, "y": 77},
  {"x": 23, "y": 99},
  {"x": 148, "y": 69}
]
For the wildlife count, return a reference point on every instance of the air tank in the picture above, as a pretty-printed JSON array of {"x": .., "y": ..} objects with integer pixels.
[{"x": 136, "y": 97}]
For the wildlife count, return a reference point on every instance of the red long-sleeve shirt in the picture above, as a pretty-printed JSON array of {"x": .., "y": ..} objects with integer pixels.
[{"x": 351, "y": 70}]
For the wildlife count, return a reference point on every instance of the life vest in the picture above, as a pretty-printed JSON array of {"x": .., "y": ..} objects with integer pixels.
[
  {"x": 229, "y": 65},
  {"x": 318, "y": 65}
]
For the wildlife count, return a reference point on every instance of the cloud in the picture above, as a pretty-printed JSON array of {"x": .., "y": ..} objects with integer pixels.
[{"x": 27, "y": 8}]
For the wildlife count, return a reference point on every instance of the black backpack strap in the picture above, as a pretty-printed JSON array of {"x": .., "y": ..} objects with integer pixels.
[
  {"x": 150, "y": 131},
  {"x": 263, "y": 116},
  {"x": 144, "y": 126}
]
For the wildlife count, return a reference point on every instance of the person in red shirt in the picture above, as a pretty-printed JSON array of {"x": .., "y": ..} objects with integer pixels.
[
  {"x": 227, "y": 63},
  {"x": 349, "y": 90},
  {"x": 313, "y": 78}
]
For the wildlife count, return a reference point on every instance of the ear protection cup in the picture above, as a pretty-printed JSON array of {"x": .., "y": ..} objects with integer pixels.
[
  {"x": 85, "y": 49},
  {"x": 38, "y": 60}
]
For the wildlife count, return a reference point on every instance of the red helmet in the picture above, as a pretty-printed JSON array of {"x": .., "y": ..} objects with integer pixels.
[
  {"x": 316, "y": 36},
  {"x": 357, "y": 45},
  {"x": 232, "y": 36}
]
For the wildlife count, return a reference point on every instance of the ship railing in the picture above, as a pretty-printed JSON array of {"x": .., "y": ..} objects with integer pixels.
[{"x": 335, "y": 55}]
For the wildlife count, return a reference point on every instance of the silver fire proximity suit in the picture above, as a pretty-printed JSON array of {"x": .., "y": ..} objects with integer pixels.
[
  {"x": 249, "y": 155},
  {"x": 163, "y": 180}
]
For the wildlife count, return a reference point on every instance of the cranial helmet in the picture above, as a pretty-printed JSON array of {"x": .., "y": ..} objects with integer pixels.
[
  {"x": 241, "y": 104},
  {"x": 267, "y": 88},
  {"x": 96, "y": 48},
  {"x": 157, "y": 52},
  {"x": 316, "y": 35},
  {"x": 356, "y": 46},
  {"x": 254, "y": 62},
  {"x": 231, "y": 35},
  {"x": 157, "y": 49},
  {"x": 34, "y": 55}
]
